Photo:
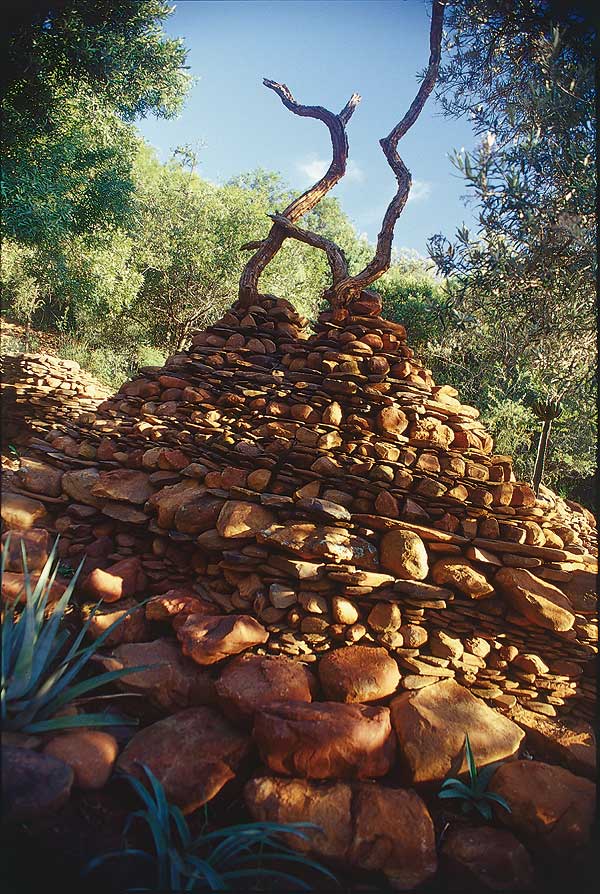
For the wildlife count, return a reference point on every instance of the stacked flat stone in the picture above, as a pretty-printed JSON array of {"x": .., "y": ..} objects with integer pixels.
[
  {"x": 324, "y": 488},
  {"x": 39, "y": 391}
]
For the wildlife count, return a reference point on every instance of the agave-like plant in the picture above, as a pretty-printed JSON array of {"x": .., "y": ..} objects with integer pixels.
[
  {"x": 474, "y": 795},
  {"x": 227, "y": 859},
  {"x": 37, "y": 679}
]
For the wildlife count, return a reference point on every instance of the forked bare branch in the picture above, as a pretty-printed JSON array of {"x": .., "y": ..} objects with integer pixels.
[
  {"x": 311, "y": 197},
  {"x": 344, "y": 288},
  {"x": 342, "y": 292}
]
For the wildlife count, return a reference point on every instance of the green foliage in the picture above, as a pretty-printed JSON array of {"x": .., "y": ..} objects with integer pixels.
[
  {"x": 111, "y": 366},
  {"x": 227, "y": 859},
  {"x": 475, "y": 795},
  {"x": 38, "y": 672},
  {"x": 524, "y": 74},
  {"x": 115, "y": 50},
  {"x": 413, "y": 296},
  {"x": 75, "y": 75}
]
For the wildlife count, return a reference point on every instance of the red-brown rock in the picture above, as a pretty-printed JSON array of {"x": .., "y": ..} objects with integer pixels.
[
  {"x": 461, "y": 574},
  {"x": 35, "y": 541},
  {"x": 485, "y": 858},
  {"x": 21, "y": 513},
  {"x": 239, "y": 519},
  {"x": 175, "y": 603},
  {"x": 538, "y": 600},
  {"x": 394, "y": 834},
  {"x": 325, "y": 740},
  {"x": 132, "y": 627},
  {"x": 40, "y": 478},
  {"x": 565, "y": 741},
  {"x": 274, "y": 800},
  {"x": 211, "y": 638},
  {"x": 123, "y": 484},
  {"x": 552, "y": 810},
  {"x": 192, "y": 753},
  {"x": 249, "y": 682},
  {"x": 404, "y": 553},
  {"x": 90, "y": 753},
  {"x": 124, "y": 578},
  {"x": 171, "y": 681},
  {"x": 431, "y": 723},
  {"x": 358, "y": 674}
]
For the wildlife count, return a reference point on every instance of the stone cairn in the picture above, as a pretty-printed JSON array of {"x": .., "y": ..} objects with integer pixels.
[
  {"x": 39, "y": 390},
  {"x": 322, "y": 491}
]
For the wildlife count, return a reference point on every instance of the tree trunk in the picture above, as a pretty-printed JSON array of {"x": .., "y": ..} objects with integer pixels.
[{"x": 540, "y": 460}]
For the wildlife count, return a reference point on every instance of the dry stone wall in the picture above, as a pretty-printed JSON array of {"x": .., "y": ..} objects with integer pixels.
[
  {"x": 39, "y": 391},
  {"x": 321, "y": 491}
]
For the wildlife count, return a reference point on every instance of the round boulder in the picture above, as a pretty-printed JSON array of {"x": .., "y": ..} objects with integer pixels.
[
  {"x": 404, "y": 554},
  {"x": 251, "y": 681},
  {"x": 358, "y": 674},
  {"x": 90, "y": 753},
  {"x": 325, "y": 740}
]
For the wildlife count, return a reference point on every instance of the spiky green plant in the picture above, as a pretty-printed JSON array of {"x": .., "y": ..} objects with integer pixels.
[
  {"x": 38, "y": 678},
  {"x": 227, "y": 859},
  {"x": 474, "y": 795}
]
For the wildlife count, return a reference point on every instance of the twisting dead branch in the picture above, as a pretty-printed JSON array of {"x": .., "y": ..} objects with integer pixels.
[
  {"x": 307, "y": 201},
  {"x": 342, "y": 292},
  {"x": 344, "y": 288}
]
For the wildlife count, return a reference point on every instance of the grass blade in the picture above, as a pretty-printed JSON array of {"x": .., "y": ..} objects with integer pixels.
[
  {"x": 470, "y": 760},
  {"x": 492, "y": 796}
]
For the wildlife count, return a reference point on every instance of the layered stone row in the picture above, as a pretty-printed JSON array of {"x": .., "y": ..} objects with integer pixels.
[
  {"x": 325, "y": 489},
  {"x": 39, "y": 391}
]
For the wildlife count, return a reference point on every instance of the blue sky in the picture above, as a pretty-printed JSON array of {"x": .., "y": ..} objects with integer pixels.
[{"x": 324, "y": 50}]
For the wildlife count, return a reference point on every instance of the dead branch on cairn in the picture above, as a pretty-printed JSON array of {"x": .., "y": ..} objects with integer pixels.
[{"x": 344, "y": 288}]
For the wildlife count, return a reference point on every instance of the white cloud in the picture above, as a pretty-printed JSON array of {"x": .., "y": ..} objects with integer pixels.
[
  {"x": 419, "y": 191},
  {"x": 354, "y": 172},
  {"x": 314, "y": 168}
]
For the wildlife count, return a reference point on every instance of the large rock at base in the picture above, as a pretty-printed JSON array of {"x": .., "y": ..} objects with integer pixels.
[
  {"x": 35, "y": 542},
  {"x": 460, "y": 574},
  {"x": 198, "y": 515},
  {"x": 124, "y": 578},
  {"x": 78, "y": 485},
  {"x": 250, "y": 682},
  {"x": 239, "y": 519},
  {"x": 192, "y": 753},
  {"x": 273, "y": 800},
  {"x": 393, "y": 833},
  {"x": 172, "y": 682},
  {"x": 176, "y": 602},
  {"x": 552, "y": 810},
  {"x": 211, "y": 638},
  {"x": 13, "y": 587},
  {"x": 565, "y": 741},
  {"x": 325, "y": 740},
  {"x": 39, "y": 477},
  {"x": 362, "y": 825},
  {"x": 404, "y": 553},
  {"x": 21, "y": 513},
  {"x": 132, "y": 626},
  {"x": 125, "y": 485},
  {"x": 33, "y": 784},
  {"x": 431, "y": 723},
  {"x": 90, "y": 753},
  {"x": 539, "y": 601},
  {"x": 358, "y": 674},
  {"x": 485, "y": 858}
]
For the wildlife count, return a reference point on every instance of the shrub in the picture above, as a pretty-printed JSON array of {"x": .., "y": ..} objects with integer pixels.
[
  {"x": 223, "y": 860},
  {"x": 36, "y": 682},
  {"x": 474, "y": 795}
]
